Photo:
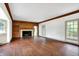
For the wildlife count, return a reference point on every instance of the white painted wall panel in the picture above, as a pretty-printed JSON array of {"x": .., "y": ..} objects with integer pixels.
[
  {"x": 56, "y": 28},
  {"x": 8, "y": 35}
]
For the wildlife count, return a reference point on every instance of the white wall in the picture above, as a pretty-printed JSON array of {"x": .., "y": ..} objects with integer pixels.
[
  {"x": 56, "y": 28},
  {"x": 8, "y": 35}
]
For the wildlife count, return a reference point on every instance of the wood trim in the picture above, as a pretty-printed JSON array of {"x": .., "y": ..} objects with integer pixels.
[
  {"x": 64, "y": 15},
  {"x": 38, "y": 30},
  {"x": 67, "y": 14},
  {"x": 24, "y": 21},
  {"x": 8, "y": 9},
  {"x": 60, "y": 41}
]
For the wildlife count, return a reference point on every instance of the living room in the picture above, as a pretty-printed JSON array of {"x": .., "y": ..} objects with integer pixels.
[{"x": 39, "y": 29}]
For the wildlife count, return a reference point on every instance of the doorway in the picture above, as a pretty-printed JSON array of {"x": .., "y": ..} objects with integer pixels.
[{"x": 43, "y": 30}]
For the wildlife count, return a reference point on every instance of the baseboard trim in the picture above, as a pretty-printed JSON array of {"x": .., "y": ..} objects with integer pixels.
[{"x": 60, "y": 41}]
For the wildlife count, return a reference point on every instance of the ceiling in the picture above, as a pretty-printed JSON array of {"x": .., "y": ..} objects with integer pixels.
[{"x": 37, "y": 12}]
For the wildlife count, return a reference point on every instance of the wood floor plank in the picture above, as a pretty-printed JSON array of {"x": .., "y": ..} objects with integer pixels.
[{"x": 38, "y": 47}]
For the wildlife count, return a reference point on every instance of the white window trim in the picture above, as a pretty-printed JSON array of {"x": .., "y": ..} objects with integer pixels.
[{"x": 66, "y": 29}]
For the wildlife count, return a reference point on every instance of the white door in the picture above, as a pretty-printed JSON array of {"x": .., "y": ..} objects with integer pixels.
[{"x": 43, "y": 30}]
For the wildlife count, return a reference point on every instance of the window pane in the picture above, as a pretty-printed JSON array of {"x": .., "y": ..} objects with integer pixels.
[
  {"x": 71, "y": 33},
  {"x": 70, "y": 30},
  {"x": 72, "y": 26},
  {"x": 68, "y": 23},
  {"x": 75, "y": 26},
  {"x": 71, "y": 23},
  {"x": 75, "y": 30},
  {"x": 76, "y": 22},
  {"x": 1, "y": 26},
  {"x": 75, "y": 34},
  {"x": 68, "y": 26}
]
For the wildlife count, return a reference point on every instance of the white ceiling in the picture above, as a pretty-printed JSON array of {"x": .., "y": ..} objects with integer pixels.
[{"x": 37, "y": 12}]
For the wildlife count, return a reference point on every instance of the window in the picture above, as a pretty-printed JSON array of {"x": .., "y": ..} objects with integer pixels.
[
  {"x": 2, "y": 26},
  {"x": 72, "y": 30}
]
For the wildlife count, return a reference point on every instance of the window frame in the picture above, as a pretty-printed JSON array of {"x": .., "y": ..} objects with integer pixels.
[{"x": 73, "y": 28}]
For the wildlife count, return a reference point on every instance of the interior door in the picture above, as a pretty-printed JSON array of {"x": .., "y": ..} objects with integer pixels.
[{"x": 43, "y": 30}]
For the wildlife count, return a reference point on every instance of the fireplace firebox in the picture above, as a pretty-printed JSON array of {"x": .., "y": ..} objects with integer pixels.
[{"x": 26, "y": 33}]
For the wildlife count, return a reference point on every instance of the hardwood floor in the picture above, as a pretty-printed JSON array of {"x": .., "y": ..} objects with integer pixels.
[{"x": 38, "y": 46}]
